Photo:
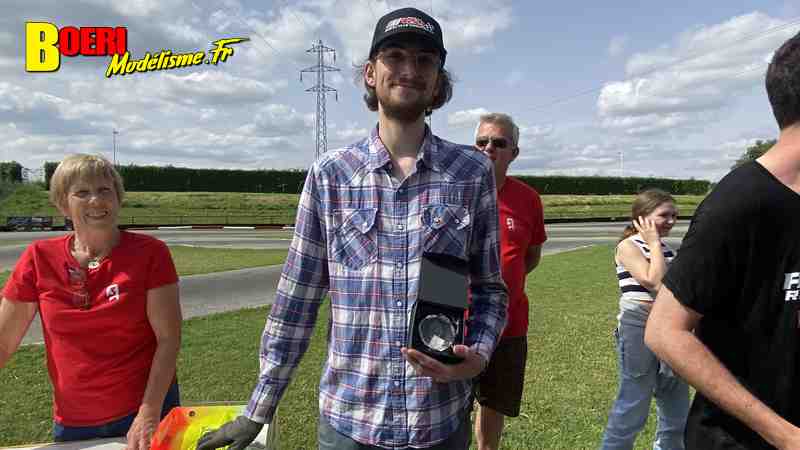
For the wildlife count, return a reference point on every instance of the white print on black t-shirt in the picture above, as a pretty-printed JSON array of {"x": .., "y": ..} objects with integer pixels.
[
  {"x": 791, "y": 284},
  {"x": 112, "y": 292}
]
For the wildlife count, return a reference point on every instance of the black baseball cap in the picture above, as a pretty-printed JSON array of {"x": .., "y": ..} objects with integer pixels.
[{"x": 408, "y": 21}]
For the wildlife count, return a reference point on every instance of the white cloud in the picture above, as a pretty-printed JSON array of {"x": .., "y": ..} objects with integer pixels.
[
  {"x": 648, "y": 124},
  {"x": 701, "y": 71},
  {"x": 282, "y": 120},
  {"x": 350, "y": 133},
  {"x": 467, "y": 31},
  {"x": 23, "y": 105},
  {"x": 215, "y": 86},
  {"x": 466, "y": 117},
  {"x": 535, "y": 131},
  {"x": 185, "y": 31},
  {"x": 131, "y": 8},
  {"x": 463, "y": 29}
]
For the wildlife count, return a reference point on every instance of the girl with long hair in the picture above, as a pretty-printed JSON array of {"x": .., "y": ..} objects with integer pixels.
[{"x": 641, "y": 260}]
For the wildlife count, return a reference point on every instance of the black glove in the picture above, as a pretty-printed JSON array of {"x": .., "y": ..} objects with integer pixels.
[{"x": 238, "y": 433}]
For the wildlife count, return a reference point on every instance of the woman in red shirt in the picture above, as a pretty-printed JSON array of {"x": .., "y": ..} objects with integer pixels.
[{"x": 111, "y": 317}]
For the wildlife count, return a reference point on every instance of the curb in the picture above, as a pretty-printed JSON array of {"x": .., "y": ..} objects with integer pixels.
[
  {"x": 622, "y": 219},
  {"x": 290, "y": 227},
  {"x": 206, "y": 227}
]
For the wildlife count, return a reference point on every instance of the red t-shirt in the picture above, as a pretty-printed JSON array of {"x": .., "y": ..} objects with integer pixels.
[
  {"x": 98, "y": 358},
  {"x": 521, "y": 226}
]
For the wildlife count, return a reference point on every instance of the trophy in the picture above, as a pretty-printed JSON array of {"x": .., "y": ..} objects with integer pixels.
[{"x": 437, "y": 319}]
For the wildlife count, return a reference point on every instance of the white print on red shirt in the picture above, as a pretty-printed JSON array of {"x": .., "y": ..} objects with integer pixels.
[
  {"x": 510, "y": 223},
  {"x": 112, "y": 292}
]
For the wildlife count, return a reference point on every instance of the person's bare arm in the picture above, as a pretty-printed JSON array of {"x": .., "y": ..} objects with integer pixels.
[
  {"x": 532, "y": 257},
  {"x": 669, "y": 334},
  {"x": 15, "y": 318},
  {"x": 647, "y": 273},
  {"x": 164, "y": 314}
]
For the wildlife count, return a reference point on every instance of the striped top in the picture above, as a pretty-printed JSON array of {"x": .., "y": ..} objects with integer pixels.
[
  {"x": 359, "y": 237},
  {"x": 636, "y": 300}
]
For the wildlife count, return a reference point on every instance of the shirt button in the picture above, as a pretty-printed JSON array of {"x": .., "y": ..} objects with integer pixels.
[
  {"x": 399, "y": 303},
  {"x": 396, "y": 384},
  {"x": 400, "y": 227},
  {"x": 399, "y": 264},
  {"x": 399, "y": 344}
]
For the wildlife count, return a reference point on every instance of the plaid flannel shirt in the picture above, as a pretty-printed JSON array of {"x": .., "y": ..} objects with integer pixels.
[{"x": 359, "y": 236}]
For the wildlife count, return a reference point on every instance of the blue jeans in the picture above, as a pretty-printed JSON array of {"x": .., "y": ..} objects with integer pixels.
[
  {"x": 115, "y": 428},
  {"x": 330, "y": 439},
  {"x": 642, "y": 376}
]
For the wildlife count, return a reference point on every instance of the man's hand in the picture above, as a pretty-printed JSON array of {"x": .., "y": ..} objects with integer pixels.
[
  {"x": 472, "y": 365},
  {"x": 238, "y": 433},
  {"x": 142, "y": 429}
]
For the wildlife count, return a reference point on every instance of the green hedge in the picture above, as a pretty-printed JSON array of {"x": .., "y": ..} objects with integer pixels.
[
  {"x": 613, "y": 185},
  {"x": 178, "y": 179}
]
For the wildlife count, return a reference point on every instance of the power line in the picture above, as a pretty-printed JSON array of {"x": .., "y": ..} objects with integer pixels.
[
  {"x": 299, "y": 18},
  {"x": 582, "y": 93},
  {"x": 673, "y": 64},
  {"x": 742, "y": 39},
  {"x": 641, "y": 96},
  {"x": 369, "y": 3},
  {"x": 241, "y": 21}
]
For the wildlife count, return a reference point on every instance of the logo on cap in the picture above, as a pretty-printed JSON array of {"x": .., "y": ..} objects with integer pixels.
[{"x": 406, "y": 22}]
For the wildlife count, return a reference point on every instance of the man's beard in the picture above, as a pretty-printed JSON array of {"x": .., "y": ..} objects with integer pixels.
[{"x": 405, "y": 112}]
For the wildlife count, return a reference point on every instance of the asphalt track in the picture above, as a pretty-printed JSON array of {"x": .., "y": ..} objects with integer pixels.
[{"x": 249, "y": 288}]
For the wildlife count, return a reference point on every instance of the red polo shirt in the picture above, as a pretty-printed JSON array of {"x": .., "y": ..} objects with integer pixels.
[
  {"x": 99, "y": 357},
  {"x": 521, "y": 226}
]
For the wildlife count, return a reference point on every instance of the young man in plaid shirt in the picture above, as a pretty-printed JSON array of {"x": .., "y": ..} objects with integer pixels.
[{"x": 366, "y": 215}]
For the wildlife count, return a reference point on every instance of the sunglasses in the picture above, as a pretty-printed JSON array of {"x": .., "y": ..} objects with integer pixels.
[{"x": 496, "y": 142}]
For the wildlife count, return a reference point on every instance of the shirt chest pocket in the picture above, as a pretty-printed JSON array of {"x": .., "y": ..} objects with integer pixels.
[
  {"x": 446, "y": 229},
  {"x": 354, "y": 237}
]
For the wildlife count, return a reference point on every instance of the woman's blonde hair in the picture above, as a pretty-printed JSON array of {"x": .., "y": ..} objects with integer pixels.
[
  {"x": 82, "y": 167},
  {"x": 646, "y": 202}
]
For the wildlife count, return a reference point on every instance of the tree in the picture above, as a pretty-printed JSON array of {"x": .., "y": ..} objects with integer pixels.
[
  {"x": 754, "y": 151},
  {"x": 11, "y": 171}
]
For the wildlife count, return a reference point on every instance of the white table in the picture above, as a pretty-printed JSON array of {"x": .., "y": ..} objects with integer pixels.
[{"x": 267, "y": 435}]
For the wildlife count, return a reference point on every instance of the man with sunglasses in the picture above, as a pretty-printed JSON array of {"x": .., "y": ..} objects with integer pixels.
[
  {"x": 367, "y": 214},
  {"x": 499, "y": 389}
]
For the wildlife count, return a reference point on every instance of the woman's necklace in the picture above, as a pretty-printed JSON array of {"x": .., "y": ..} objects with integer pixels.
[{"x": 92, "y": 262}]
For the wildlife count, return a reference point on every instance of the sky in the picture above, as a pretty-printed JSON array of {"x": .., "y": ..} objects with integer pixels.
[{"x": 624, "y": 88}]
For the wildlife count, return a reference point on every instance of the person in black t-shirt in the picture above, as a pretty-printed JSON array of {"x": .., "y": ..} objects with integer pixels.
[{"x": 736, "y": 284}]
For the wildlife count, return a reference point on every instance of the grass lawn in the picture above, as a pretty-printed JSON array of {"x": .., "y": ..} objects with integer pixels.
[
  {"x": 197, "y": 260},
  {"x": 571, "y": 372},
  {"x": 14, "y": 242},
  {"x": 251, "y": 208}
]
